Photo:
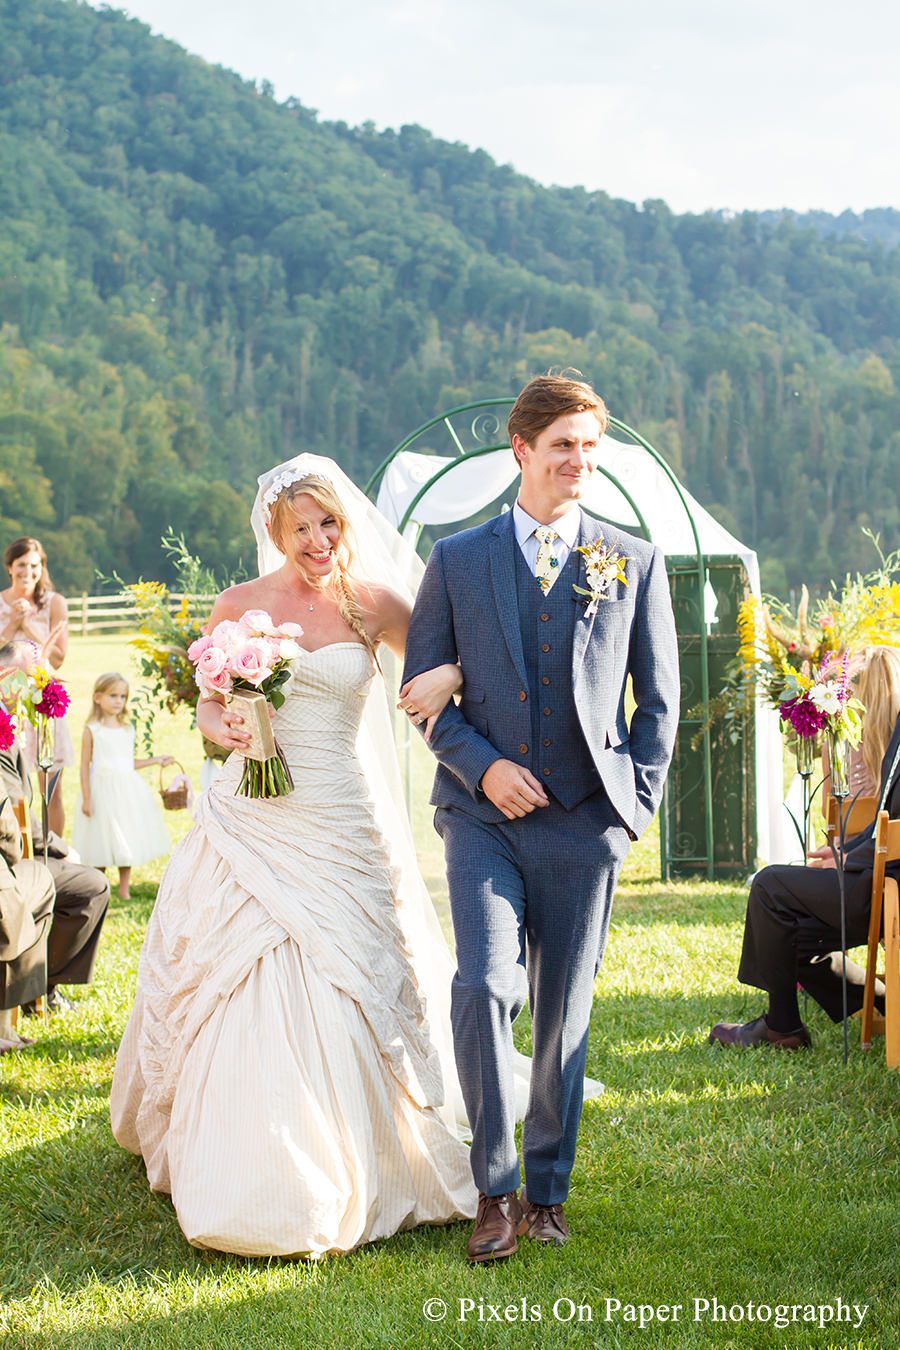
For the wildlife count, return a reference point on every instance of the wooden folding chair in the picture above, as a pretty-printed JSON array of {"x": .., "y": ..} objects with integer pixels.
[
  {"x": 857, "y": 816},
  {"x": 884, "y": 896},
  {"x": 23, "y": 816}
]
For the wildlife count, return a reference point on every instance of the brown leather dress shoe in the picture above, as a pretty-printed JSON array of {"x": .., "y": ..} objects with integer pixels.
[
  {"x": 494, "y": 1234},
  {"x": 544, "y": 1223},
  {"x": 758, "y": 1032}
]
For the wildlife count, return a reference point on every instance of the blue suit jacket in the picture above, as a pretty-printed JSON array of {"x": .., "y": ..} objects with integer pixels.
[{"x": 467, "y": 610}]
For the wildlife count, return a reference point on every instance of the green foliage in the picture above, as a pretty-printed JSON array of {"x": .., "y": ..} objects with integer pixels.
[
  {"x": 167, "y": 629},
  {"x": 196, "y": 282}
]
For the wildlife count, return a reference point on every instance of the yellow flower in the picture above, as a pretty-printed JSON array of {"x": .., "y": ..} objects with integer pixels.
[
  {"x": 40, "y": 675},
  {"x": 747, "y": 627},
  {"x": 803, "y": 681},
  {"x": 144, "y": 591}
]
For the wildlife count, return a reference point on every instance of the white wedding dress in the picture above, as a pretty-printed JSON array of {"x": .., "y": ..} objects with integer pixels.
[{"x": 277, "y": 1072}]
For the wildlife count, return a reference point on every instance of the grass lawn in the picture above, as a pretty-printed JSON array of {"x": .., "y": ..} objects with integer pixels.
[{"x": 738, "y": 1180}]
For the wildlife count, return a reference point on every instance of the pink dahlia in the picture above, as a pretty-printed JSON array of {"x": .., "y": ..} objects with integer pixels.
[
  {"x": 7, "y": 730},
  {"x": 806, "y": 718},
  {"x": 54, "y": 700}
]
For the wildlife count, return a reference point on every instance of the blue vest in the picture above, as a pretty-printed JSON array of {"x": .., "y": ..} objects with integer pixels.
[{"x": 558, "y": 755}]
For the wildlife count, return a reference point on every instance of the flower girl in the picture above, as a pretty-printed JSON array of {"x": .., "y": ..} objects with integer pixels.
[{"x": 118, "y": 821}]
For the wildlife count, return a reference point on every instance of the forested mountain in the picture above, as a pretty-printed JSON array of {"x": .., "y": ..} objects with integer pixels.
[{"x": 196, "y": 281}]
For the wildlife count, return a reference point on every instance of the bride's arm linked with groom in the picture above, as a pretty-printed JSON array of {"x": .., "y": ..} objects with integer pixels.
[{"x": 541, "y": 786}]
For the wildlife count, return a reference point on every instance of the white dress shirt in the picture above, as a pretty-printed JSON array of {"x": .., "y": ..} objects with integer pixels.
[{"x": 566, "y": 528}]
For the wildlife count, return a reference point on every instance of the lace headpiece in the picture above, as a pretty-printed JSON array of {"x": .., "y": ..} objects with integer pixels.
[{"x": 283, "y": 480}]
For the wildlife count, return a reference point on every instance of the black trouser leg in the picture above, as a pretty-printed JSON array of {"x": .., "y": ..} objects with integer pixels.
[{"x": 793, "y": 925}]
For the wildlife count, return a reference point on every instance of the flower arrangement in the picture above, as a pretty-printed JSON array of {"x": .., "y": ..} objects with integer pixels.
[
  {"x": 603, "y": 566},
  {"x": 776, "y": 644},
  {"x": 34, "y": 694},
  {"x": 823, "y": 701},
  {"x": 783, "y": 655},
  {"x": 251, "y": 654}
]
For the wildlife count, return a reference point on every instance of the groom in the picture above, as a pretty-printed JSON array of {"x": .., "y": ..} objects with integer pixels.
[{"x": 541, "y": 785}]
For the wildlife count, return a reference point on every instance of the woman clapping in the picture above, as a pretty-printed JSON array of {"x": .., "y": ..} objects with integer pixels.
[{"x": 30, "y": 610}]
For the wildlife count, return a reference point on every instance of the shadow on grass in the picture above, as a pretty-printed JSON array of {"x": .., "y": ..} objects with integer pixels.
[
  {"x": 752, "y": 1177},
  {"x": 75, "y": 1044},
  {"x": 657, "y": 1031},
  {"x": 79, "y": 1207},
  {"x": 679, "y": 903},
  {"x": 138, "y": 907},
  {"x": 13, "y": 1095}
]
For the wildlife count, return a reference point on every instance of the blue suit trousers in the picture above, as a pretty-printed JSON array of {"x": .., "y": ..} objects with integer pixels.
[{"x": 531, "y": 901}]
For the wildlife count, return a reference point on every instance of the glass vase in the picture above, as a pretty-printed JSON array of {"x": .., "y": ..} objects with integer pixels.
[
  {"x": 839, "y": 765},
  {"x": 806, "y": 753},
  {"x": 46, "y": 742}
]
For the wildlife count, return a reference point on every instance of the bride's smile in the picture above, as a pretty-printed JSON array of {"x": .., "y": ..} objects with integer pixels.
[{"x": 313, "y": 541}]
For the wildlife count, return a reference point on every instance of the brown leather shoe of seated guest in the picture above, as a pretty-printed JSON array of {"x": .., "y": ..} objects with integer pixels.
[
  {"x": 544, "y": 1223},
  {"x": 494, "y": 1234},
  {"x": 758, "y": 1032}
]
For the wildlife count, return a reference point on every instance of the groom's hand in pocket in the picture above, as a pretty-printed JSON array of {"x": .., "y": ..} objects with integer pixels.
[{"x": 512, "y": 788}]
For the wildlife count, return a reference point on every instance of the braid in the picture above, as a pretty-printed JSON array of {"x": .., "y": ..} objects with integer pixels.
[{"x": 350, "y": 609}]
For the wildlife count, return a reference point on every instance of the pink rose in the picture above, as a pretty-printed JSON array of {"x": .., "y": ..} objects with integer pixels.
[
  {"x": 291, "y": 630},
  {"x": 254, "y": 661},
  {"x": 231, "y": 636},
  {"x": 196, "y": 649},
  {"x": 219, "y": 683},
  {"x": 212, "y": 662},
  {"x": 259, "y": 622}
]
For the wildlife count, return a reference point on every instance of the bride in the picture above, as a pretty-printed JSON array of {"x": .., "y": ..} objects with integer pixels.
[{"x": 283, "y": 1071}]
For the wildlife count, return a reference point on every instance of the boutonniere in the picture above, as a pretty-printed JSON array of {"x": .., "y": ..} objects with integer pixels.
[{"x": 604, "y": 566}]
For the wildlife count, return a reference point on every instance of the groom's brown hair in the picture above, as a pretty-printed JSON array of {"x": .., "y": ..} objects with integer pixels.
[{"x": 549, "y": 396}]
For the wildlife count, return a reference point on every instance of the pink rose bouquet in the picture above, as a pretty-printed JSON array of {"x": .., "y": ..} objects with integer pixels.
[{"x": 253, "y": 655}]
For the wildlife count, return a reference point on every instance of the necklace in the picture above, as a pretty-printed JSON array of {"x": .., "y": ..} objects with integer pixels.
[{"x": 294, "y": 593}]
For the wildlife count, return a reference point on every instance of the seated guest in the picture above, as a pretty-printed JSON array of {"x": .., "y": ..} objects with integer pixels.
[
  {"x": 793, "y": 931},
  {"x": 877, "y": 686},
  {"x": 26, "y": 909},
  {"x": 82, "y": 893}
]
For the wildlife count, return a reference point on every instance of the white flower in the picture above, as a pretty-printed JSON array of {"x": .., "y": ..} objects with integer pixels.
[
  {"x": 285, "y": 479},
  {"x": 826, "y": 697}
]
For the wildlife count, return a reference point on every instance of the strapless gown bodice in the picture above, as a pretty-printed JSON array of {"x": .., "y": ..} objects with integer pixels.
[{"x": 318, "y": 724}]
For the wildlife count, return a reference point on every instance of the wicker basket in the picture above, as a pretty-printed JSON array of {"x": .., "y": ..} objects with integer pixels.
[{"x": 173, "y": 798}]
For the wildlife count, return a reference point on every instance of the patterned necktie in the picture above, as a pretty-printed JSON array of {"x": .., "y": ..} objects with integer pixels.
[{"x": 546, "y": 568}]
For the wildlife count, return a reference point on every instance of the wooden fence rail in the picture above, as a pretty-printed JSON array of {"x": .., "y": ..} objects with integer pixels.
[{"x": 112, "y": 613}]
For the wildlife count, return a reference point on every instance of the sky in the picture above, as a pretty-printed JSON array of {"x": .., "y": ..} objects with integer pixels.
[{"x": 724, "y": 104}]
